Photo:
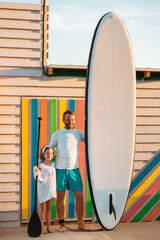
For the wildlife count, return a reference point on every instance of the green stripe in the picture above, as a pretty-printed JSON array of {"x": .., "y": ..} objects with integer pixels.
[
  {"x": 52, "y": 116},
  {"x": 89, "y": 202},
  {"x": 147, "y": 208},
  {"x": 52, "y": 130}
]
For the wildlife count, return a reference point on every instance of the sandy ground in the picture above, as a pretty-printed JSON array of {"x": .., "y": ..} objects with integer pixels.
[{"x": 124, "y": 231}]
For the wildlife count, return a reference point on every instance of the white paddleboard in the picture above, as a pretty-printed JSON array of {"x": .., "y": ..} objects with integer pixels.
[{"x": 110, "y": 119}]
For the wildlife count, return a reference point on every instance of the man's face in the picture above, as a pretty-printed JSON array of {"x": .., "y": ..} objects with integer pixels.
[{"x": 69, "y": 121}]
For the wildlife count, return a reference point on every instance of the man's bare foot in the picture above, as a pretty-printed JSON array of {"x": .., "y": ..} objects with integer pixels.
[
  {"x": 44, "y": 231},
  {"x": 84, "y": 227},
  {"x": 49, "y": 229},
  {"x": 61, "y": 229}
]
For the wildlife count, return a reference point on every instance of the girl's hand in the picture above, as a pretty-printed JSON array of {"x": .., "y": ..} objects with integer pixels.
[
  {"x": 35, "y": 169},
  {"x": 39, "y": 168}
]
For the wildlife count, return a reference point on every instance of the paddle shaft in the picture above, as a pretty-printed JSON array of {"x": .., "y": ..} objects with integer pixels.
[{"x": 39, "y": 126}]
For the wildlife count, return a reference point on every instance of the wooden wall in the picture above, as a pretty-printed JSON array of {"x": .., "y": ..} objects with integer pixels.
[
  {"x": 21, "y": 39},
  {"x": 21, "y": 78}
]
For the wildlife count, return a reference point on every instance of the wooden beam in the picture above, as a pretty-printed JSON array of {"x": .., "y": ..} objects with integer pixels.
[{"x": 146, "y": 74}]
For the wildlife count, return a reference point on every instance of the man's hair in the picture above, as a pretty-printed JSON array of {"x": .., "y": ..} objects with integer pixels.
[{"x": 68, "y": 111}]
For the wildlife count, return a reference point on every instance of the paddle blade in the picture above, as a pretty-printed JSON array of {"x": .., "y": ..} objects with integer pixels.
[{"x": 34, "y": 226}]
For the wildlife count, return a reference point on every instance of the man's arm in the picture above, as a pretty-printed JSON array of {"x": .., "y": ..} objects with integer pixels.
[
  {"x": 53, "y": 142},
  {"x": 82, "y": 136}
]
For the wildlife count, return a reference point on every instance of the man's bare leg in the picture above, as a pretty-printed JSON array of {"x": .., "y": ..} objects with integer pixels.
[
  {"x": 60, "y": 208},
  {"x": 80, "y": 209}
]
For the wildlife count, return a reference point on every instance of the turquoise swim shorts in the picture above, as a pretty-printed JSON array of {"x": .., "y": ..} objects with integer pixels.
[{"x": 70, "y": 179}]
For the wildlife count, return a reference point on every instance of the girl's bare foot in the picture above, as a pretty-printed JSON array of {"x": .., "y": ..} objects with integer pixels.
[
  {"x": 44, "y": 231},
  {"x": 61, "y": 229},
  {"x": 49, "y": 229}
]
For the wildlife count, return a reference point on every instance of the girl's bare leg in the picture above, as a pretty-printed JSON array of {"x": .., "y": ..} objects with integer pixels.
[
  {"x": 42, "y": 212},
  {"x": 48, "y": 215}
]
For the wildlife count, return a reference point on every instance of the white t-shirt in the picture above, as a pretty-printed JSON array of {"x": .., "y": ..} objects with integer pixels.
[{"x": 67, "y": 144}]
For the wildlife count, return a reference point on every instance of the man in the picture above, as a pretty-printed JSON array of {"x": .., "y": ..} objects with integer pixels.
[{"x": 68, "y": 175}]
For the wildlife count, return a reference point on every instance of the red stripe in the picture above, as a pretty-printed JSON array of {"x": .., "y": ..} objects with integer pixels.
[
  {"x": 80, "y": 126},
  {"x": 141, "y": 202}
]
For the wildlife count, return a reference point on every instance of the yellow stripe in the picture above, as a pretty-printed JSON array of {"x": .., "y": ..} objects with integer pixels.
[
  {"x": 142, "y": 188},
  {"x": 62, "y": 109},
  {"x": 24, "y": 158}
]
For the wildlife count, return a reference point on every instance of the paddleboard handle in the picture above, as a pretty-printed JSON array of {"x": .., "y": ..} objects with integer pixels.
[{"x": 111, "y": 206}]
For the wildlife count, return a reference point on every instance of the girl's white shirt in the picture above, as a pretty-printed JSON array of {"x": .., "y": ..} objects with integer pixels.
[{"x": 46, "y": 182}]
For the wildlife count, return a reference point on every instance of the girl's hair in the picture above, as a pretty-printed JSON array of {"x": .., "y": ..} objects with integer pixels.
[{"x": 43, "y": 152}]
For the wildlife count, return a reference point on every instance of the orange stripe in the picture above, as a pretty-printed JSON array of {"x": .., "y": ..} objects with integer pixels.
[
  {"x": 153, "y": 214},
  {"x": 43, "y": 138}
]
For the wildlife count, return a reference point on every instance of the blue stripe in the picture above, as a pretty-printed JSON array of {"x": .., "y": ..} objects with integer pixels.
[
  {"x": 158, "y": 218},
  {"x": 34, "y": 104},
  {"x": 71, "y": 196},
  {"x": 144, "y": 173}
]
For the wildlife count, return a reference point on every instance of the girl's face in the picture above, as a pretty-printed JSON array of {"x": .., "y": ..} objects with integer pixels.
[{"x": 48, "y": 154}]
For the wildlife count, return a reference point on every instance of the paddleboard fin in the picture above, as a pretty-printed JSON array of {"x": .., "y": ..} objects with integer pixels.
[{"x": 111, "y": 206}]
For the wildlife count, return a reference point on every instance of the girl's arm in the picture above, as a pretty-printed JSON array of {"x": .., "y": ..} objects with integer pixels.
[{"x": 36, "y": 172}]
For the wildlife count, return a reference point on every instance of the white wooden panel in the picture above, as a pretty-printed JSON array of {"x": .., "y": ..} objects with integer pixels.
[
  {"x": 13, "y": 216},
  {"x": 16, "y": 62},
  {"x": 9, "y": 178},
  {"x": 138, "y": 166},
  {"x": 21, "y": 15},
  {"x": 9, "y": 207},
  {"x": 5, "y": 120},
  {"x": 10, "y": 100},
  {"x": 16, "y": 24},
  {"x": 148, "y": 120},
  {"x": 9, "y": 168},
  {"x": 148, "y": 112},
  {"x": 20, "y": 53},
  {"x": 143, "y": 156},
  {"x": 44, "y": 81},
  {"x": 8, "y": 197},
  {"x": 9, "y": 187},
  {"x": 9, "y": 149},
  {"x": 9, "y": 130},
  {"x": 147, "y": 138},
  {"x": 148, "y": 129},
  {"x": 148, "y": 93},
  {"x": 10, "y": 110},
  {"x": 148, "y": 84},
  {"x": 9, "y": 71},
  {"x": 148, "y": 102},
  {"x": 22, "y": 6},
  {"x": 8, "y": 43},
  {"x": 9, "y": 158},
  {"x": 147, "y": 147},
  {"x": 10, "y": 224},
  {"x": 41, "y": 91},
  {"x": 12, "y": 33},
  {"x": 9, "y": 139}
]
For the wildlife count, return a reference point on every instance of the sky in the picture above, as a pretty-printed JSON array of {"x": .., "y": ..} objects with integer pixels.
[{"x": 72, "y": 24}]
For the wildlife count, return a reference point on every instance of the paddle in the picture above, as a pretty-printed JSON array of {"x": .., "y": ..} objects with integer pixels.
[{"x": 34, "y": 226}]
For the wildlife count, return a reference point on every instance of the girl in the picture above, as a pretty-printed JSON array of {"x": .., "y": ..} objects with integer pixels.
[{"x": 46, "y": 185}]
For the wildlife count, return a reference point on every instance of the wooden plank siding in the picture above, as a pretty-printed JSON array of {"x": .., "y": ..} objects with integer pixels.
[
  {"x": 14, "y": 88},
  {"x": 21, "y": 43},
  {"x": 10, "y": 166},
  {"x": 21, "y": 78}
]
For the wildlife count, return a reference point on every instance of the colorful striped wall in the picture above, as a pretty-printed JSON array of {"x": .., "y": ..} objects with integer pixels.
[
  {"x": 51, "y": 110},
  {"x": 144, "y": 198}
]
